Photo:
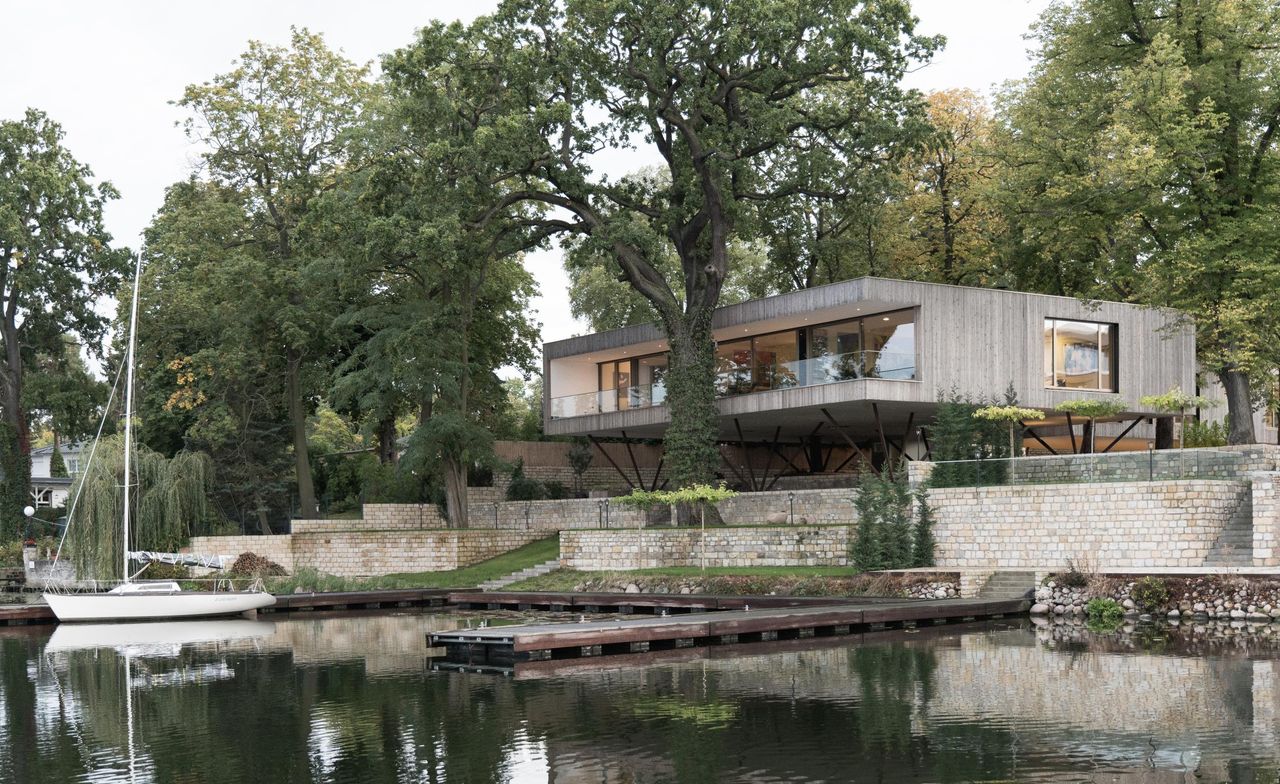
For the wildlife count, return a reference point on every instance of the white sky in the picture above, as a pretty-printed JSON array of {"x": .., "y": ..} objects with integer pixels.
[{"x": 107, "y": 70}]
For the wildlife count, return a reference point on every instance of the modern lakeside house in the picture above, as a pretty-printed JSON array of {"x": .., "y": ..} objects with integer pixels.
[{"x": 864, "y": 362}]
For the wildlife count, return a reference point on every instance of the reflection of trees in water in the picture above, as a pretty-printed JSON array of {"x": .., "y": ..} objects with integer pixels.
[{"x": 858, "y": 714}]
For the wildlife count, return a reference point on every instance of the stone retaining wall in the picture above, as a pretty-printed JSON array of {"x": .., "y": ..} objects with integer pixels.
[
  {"x": 371, "y": 553},
  {"x": 1266, "y": 518},
  {"x": 1117, "y": 525},
  {"x": 655, "y": 548}
]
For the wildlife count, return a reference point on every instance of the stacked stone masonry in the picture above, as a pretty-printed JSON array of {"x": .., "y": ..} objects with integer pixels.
[
  {"x": 1265, "y": 486},
  {"x": 370, "y": 553},
  {"x": 721, "y": 547},
  {"x": 1124, "y": 525}
]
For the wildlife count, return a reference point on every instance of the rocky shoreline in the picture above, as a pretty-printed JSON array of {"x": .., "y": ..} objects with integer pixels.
[{"x": 1199, "y": 598}]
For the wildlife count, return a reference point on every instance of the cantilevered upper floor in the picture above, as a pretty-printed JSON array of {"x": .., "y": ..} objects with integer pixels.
[{"x": 790, "y": 361}]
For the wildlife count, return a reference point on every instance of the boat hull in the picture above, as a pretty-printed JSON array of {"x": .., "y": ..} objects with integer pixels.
[{"x": 145, "y": 607}]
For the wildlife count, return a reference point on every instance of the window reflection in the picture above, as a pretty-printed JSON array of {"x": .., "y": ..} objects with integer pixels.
[
  {"x": 733, "y": 367},
  {"x": 1080, "y": 355},
  {"x": 876, "y": 346}
]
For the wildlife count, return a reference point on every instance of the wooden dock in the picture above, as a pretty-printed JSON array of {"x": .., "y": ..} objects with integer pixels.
[
  {"x": 503, "y": 645},
  {"x": 23, "y": 614},
  {"x": 560, "y": 668}
]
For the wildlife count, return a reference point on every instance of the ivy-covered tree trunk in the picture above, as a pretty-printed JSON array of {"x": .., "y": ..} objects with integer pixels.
[
  {"x": 16, "y": 466},
  {"x": 16, "y": 443},
  {"x": 689, "y": 445},
  {"x": 1164, "y": 432},
  {"x": 1239, "y": 407}
]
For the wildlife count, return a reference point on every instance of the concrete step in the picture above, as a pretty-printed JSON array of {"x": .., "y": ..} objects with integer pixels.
[
  {"x": 523, "y": 574},
  {"x": 1008, "y": 585}
]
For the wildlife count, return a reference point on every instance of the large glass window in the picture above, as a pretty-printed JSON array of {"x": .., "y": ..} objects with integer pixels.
[
  {"x": 651, "y": 376},
  {"x": 890, "y": 343},
  {"x": 777, "y": 358},
  {"x": 615, "y": 384},
  {"x": 733, "y": 367},
  {"x": 835, "y": 352},
  {"x": 1080, "y": 355}
]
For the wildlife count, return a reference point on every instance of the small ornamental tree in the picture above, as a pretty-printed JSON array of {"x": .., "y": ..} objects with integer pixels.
[
  {"x": 1092, "y": 410},
  {"x": 57, "y": 466},
  {"x": 580, "y": 458},
  {"x": 1013, "y": 416},
  {"x": 1177, "y": 402}
]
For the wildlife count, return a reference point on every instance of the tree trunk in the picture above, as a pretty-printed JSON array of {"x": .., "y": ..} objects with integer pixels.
[
  {"x": 1164, "y": 432},
  {"x": 455, "y": 492},
  {"x": 298, "y": 421},
  {"x": 387, "y": 440},
  {"x": 1239, "y": 407},
  {"x": 1086, "y": 437},
  {"x": 690, "y": 444},
  {"x": 15, "y": 488}
]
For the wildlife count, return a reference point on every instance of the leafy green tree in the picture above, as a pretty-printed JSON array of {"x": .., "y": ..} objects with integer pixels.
[
  {"x": 56, "y": 261},
  {"x": 277, "y": 129},
  {"x": 61, "y": 395},
  {"x": 946, "y": 219},
  {"x": 1013, "y": 417},
  {"x": 209, "y": 364},
  {"x": 737, "y": 120},
  {"x": 1177, "y": 402},
  {"x": 1141, "y": 166},
  {"x": 439, "y": 299},
  {"x": 1092, "y": 410}
]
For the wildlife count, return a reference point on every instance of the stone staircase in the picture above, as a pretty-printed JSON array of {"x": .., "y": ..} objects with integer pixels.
[
  {"x": 1008, "y": 585},
  {"x": 1234, "y": 546},
  {"x": 523, "y": 574}
]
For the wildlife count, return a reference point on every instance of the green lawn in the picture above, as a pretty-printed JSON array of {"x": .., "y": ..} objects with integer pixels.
[{"x": 531, "y": 554}]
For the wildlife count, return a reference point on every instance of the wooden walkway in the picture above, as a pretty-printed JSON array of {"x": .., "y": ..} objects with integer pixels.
[
  {"x": 559, "y": 668},
  {"x": 502, "y": 645}
]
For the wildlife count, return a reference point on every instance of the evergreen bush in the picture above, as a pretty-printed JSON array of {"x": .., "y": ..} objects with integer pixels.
[
  {"x": 895, "y": 526},
  {"x": 523, "y": 488}
]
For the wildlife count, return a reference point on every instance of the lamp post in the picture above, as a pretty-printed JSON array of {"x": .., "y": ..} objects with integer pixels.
[{"x": 791, "y": 504}]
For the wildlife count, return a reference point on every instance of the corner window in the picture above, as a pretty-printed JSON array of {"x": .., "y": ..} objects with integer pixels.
[{"x": 1081, "y": 355}]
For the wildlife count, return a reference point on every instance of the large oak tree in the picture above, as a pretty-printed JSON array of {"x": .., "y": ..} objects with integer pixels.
[
  {"x": 56, "y": 262},
  {"x": 735, "y": 101},
  {"x": 1143, "y": 166}
]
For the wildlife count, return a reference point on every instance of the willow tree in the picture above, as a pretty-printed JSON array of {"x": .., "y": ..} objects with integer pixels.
[
  {"x": 170, "y": 499},
  {"x": 739, "y": 104}
]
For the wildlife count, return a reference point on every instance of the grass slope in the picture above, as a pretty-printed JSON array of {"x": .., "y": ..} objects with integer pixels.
[{"x": 531, "y": 554}]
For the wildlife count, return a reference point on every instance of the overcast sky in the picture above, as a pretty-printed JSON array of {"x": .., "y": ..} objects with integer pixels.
[{"x": 107, "y": 71}]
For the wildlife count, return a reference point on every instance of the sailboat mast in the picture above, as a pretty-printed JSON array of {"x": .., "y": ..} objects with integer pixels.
[{"x": 128, "y": 406}]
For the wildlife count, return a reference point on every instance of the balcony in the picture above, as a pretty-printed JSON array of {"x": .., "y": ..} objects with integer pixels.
[{"x": 743, "y": 380}]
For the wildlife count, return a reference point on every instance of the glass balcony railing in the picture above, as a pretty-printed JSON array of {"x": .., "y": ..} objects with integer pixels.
[{"x": 815, "y": 371}]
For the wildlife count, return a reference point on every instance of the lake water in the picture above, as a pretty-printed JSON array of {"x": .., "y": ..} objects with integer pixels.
[{"x": 354, "y": 699}]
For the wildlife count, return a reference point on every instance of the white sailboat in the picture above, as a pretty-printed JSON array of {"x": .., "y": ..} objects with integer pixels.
[{"x": 141, "y": 601}]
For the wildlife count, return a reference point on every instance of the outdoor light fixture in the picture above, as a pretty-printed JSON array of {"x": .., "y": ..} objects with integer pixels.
[
  {"x": 29, "y": 511},
  {"x": 791, "y": 501}
]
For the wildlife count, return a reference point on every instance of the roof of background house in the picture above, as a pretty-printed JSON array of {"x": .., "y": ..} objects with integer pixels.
[{"x": 68, "y": 447}]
